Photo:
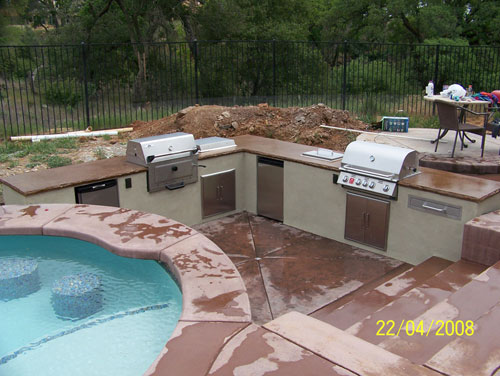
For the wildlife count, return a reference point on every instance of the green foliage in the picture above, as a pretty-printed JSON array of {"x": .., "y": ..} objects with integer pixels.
[
  {"x": 65, "y": 143},
  {"x": 65, "y": 93},
  {"x": 408, "y": 21},
  {"x": 57, "y": 161},
  {"x": 256, "y": 20},
  {"x": 13, "y": 64},
  {"x": 43, "y": 152}
]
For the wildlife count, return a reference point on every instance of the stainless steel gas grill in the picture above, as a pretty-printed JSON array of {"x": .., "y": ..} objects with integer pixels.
[
  {"x": 171, "y": 159},
  {"x": 376, "y": 168},
  {"x": 371, "y": 173}
]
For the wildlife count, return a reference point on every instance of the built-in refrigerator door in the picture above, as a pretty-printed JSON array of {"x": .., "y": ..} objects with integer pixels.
[
  {"x": 100, "y": 193},
  {"x": 270, "y": 188}
]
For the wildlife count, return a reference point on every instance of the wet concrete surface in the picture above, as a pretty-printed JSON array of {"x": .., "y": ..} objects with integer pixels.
[{"x": 286, "y": 269}]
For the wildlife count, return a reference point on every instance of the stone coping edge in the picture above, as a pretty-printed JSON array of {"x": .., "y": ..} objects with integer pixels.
[{"x": 212, "y": 288}]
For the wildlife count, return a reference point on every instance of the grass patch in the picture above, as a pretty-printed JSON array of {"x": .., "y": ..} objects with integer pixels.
[
  {"x": 424, "y": 122},
  {"x": 32, "y": 165},
  {"x": 13, "y": 164},
  {"x": 43, "y": 152},
  {"x": 58, "y": 161},
  {"x": 39, "y": 158}
]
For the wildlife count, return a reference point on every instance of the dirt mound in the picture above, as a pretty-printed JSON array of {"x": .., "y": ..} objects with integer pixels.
[{"x": 294, "y": 124}]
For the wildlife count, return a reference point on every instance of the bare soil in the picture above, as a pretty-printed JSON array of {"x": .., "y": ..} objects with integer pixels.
[{"x": 293, "y": 124}]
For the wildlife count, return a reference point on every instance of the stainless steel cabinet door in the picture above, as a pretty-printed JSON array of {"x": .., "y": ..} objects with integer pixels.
[
  {"x": 367, "y": 220},
  {"x": 218, "y": 193}
]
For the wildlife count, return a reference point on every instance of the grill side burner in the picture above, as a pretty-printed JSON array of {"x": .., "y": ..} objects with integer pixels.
[
  {"x": 171, "y": 159},
  {"x": 376, "y": 168}
]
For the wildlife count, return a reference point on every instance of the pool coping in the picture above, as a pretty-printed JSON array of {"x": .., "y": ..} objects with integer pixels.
[{"x": 215, "y": 302}]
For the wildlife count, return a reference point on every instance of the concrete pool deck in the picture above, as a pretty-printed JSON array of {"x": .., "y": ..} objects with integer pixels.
[
  {"x": 316, "y": 298},
  {"x": 286, "y": 269}
]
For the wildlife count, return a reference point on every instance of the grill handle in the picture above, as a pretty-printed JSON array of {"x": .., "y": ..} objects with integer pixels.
[
  {"x": 151, "y": 158},
  {"x": 353, "y": 169},
  {"x": 174, "y": 186}
]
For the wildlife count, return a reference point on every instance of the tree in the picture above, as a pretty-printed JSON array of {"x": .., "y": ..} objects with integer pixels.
[
  {"x": 257, "y": 19},
  {"x": 143, "y": 22},
  {"x": 412, "y": 21}
]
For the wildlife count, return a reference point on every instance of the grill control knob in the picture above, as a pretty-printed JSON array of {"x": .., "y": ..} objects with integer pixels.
[
  {"x": 345, "y": 179},
  {"x": 386, "y": 188},
  {"x": 365, "y": 183},
  {"x": 372, "y": 185},
  {"x": 358, "y": 181}
]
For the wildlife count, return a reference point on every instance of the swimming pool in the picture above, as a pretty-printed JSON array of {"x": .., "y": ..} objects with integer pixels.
[{"x": 140, "y": 305}]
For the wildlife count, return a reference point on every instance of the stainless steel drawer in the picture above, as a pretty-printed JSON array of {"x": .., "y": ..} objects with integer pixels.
[{"x": 442, "y": 209}]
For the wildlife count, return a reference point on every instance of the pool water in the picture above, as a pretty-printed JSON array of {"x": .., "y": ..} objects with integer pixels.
[{"x": 141, "y": 305}]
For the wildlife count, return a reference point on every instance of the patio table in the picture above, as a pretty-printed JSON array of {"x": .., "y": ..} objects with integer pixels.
[{"x": 461, "y": 104}]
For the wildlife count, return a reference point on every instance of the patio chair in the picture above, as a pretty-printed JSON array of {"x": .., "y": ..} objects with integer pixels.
[{"x": 453, "y": 118}]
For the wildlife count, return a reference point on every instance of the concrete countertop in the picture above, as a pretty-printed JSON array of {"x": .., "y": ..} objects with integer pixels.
[{"x": 440, "y": 182}]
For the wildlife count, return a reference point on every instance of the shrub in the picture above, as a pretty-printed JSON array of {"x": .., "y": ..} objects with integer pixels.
[{"x": 63, "y": 93}]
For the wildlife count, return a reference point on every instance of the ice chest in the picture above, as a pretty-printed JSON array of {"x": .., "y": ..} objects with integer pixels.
[{"x": 395, "y": 124}]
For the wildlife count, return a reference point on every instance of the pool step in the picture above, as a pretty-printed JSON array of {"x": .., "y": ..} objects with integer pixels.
[
  {"x": 368, "y": 302},
  {"x": 343, "y": 349},
  {"x": 323, "y": 312},
  {"x": 472, "y": 355},
  {"x": 416, "y": 301},
  {"x": 470, "y": 302}
]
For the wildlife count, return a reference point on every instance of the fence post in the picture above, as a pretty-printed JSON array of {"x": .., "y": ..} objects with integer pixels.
[
  {"x": 86, "y": 89},
  {"x": 274, "y": 72},
  {"x": 195, "y": 50},
  {"x": 344, "y": 76},
  {"x": 435, "y": 78}
]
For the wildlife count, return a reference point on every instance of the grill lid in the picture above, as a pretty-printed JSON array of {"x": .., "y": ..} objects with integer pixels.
[
  {"x": 386, "y": 162},
  {"x": 143, "y": 151}
]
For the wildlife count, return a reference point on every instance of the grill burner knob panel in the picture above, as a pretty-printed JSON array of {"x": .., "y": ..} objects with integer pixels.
[{"x": 368, "y": 183}]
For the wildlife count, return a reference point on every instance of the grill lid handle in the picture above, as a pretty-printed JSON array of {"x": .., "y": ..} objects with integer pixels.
[
  {"x": 350, "y": 168},
  {"x": 151, "y": 158}
]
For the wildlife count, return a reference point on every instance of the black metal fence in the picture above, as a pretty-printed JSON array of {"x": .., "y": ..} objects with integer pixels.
[{"x": 51, "y": 89}]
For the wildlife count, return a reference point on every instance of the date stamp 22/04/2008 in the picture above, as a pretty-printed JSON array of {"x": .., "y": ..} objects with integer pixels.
[{"x": 442, "y": 328}]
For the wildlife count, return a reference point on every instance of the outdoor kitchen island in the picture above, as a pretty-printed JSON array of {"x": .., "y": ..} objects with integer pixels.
[{"x": 418, "y": 224}]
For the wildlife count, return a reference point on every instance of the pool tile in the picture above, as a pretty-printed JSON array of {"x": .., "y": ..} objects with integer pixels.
[
  {"x": 28, "y": 219},
  {"x": 256, "y": 351},
  {"x": 192, "y": 348},
  {"x": 126, "y": 232},
  {"x": 212, "y": 289}
]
